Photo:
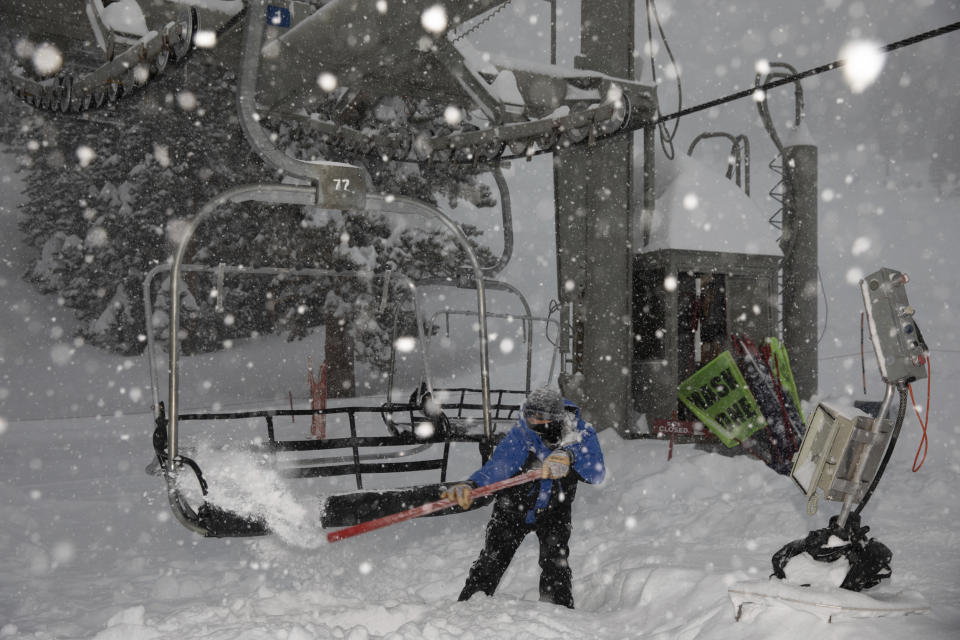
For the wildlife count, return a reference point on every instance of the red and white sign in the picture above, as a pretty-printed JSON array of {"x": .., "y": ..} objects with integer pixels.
[{"x": 673, "y": 427}]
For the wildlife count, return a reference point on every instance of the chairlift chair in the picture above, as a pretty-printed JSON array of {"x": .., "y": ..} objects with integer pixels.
[{"x": 326, "y": 185}]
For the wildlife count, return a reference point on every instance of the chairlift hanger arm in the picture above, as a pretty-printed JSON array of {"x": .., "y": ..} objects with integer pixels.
[
  {"x": 490, "y": 284},
  {"x": 390, "y": 54},
  {"x": 338, "y": 185}
]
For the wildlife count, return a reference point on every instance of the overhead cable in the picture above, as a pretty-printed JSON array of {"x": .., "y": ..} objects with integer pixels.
[{"x": 806, "y": 74}]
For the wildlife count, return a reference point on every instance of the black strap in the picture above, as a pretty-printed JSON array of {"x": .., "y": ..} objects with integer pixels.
[{"x": 196, "y": 470}]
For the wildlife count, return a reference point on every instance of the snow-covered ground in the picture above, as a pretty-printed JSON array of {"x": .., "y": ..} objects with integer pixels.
[{"x": 90, "y": 549}]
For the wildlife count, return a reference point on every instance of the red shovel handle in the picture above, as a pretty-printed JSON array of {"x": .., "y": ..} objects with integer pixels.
[{"x": 429, "y": 507}]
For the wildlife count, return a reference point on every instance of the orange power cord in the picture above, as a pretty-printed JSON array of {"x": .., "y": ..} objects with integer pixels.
[{"x": 923, "y": 421}]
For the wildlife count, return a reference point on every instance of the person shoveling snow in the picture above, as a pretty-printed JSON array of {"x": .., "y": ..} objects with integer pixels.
[{"x": 551, "y": 435}]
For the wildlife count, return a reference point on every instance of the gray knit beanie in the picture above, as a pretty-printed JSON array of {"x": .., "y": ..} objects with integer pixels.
[{"x": 544, "y": 403}]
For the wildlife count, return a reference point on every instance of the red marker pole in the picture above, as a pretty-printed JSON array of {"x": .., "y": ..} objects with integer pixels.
[{"x": 429, "y": 507}]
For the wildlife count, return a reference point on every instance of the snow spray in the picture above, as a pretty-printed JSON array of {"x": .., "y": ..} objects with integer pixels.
[{"x": 242, "y": 482}]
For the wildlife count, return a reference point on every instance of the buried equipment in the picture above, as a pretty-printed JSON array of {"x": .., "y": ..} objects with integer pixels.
[
  {"x": 869, "y": 559},
  {"x": 844, "y": 452},
  {"x": 746, "y": 398}
]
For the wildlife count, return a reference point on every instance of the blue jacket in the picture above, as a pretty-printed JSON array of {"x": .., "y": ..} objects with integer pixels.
[{"x": 521, "y": 441}]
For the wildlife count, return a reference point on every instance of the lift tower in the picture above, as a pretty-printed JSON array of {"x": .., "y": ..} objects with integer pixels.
[{"x": 592, "y": 191}]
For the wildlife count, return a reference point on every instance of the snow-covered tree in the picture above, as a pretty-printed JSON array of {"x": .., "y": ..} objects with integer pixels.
[{"x": 106, "y": 188}]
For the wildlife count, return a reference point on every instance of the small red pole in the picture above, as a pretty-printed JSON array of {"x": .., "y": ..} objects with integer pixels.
[
  {"x": 429, "y": 507},
  {"x": 323, "y": 400},
  {"x": 318, "y": 399}
]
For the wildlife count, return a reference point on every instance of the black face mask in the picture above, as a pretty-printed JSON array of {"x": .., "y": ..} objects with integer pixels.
[{"x": 549, "y": 432}]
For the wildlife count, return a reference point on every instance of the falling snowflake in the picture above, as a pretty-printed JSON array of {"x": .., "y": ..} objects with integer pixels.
[
  {"x": 434, "y": 19},
  {"x": 863, "y": 61},
  {"x": 854, "y": 275},
  {"x": 205, "y": 39},
  {"x": 860, "y": 246},
  {"x": 47, "y": 59},
  {"x": 85, "y": 155},
  {"x": 327, "y": 82},
  {"x": 405, "y": 344},
  {"x": 453, "y": 115},
  {"x": 186, "y": 100}
]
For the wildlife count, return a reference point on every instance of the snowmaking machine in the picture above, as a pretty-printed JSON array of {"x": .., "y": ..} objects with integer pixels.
[{"x": 845, "y": 451}]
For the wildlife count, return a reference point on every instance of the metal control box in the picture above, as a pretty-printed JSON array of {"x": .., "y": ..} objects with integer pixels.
[
  {"x": 896, "y": 337},
  {"x": 832, "y": 447}
]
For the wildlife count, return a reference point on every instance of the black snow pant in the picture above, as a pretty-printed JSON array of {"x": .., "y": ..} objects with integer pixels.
[{"x": 506, "y": 530}]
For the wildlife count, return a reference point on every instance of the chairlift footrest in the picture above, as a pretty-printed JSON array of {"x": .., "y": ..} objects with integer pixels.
[{"x": 220, "y": 523}]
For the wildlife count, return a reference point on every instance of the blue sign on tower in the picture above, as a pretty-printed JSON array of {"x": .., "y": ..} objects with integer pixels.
[{"x": 278, "y": 16}]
